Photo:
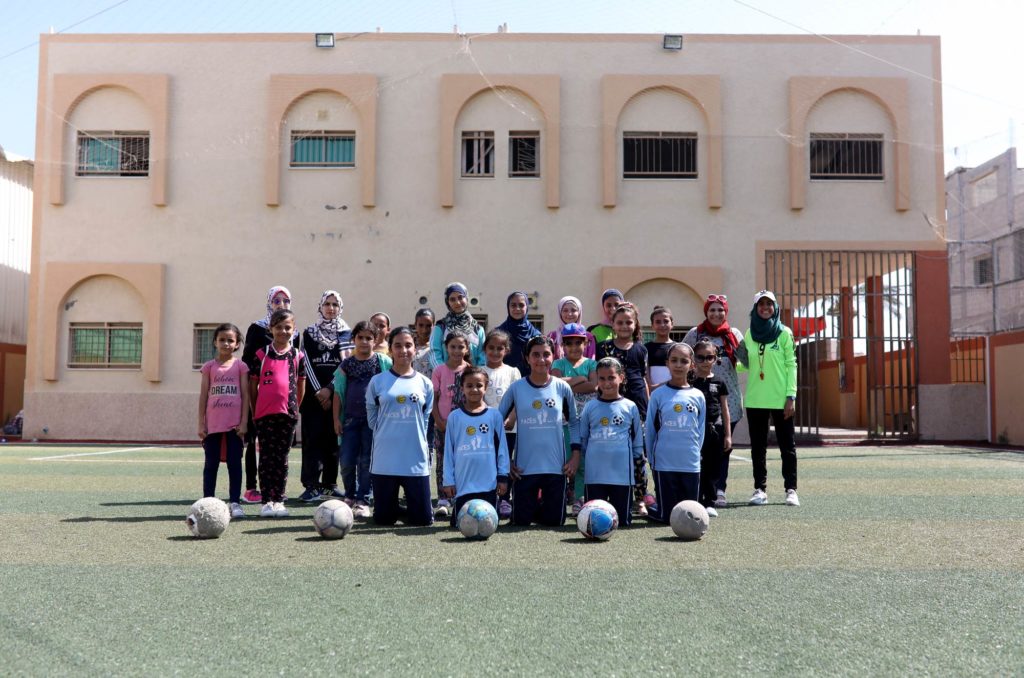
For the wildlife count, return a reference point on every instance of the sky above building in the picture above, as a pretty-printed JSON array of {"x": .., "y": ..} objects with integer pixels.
[{"x": 983, "y": 94}]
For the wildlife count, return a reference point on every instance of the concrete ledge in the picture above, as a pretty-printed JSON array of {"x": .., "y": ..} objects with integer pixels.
[
  {"x": 952, "y": 412},
  {"x": 111, "y": 416}
]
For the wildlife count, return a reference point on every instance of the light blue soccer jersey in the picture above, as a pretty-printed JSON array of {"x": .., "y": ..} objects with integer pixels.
[
  {"x": 475, "y": 451},
  {"x": 612, "y": 436},
  {"x": 541, "y": 412},
  {"x": 675, "y": 428},
  {"x": 397, "y": 409}
]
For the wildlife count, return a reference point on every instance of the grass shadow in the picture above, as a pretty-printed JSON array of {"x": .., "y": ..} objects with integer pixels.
[
  {"x": 677, "y": 539},
  {"x": 124, "y": 519},
  {"x": 165, "y": 502}
]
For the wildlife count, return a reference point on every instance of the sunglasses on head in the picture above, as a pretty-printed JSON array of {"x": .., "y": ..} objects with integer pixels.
[{"x": 718, "y": 297}]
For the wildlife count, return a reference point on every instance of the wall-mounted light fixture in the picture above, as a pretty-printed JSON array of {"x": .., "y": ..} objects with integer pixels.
[
  {"x": 325, "y": 40},
  {"x": 672, "y": 42}
]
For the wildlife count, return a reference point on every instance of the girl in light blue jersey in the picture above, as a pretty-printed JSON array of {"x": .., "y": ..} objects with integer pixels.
[
  {"x": 675, "y": 434},
  {"x": 611, "y": 434},
  {"x": 398, "y": 405},
  {"x": 475, "y": 447},
  {"x": 543, "y": 404}
]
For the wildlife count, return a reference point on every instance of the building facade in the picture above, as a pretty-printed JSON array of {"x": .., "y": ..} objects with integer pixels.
[{"x": 180, "y": 176}]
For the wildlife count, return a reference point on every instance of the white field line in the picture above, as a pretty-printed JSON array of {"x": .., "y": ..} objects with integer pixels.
[
  {"x": 92, "y": 454},
  {"x": 736, "y": 456},
  {"x": 135, "y": 461}
]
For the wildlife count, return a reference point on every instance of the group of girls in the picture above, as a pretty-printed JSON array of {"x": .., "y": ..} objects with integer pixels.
[{"x": 527, "y": 421}]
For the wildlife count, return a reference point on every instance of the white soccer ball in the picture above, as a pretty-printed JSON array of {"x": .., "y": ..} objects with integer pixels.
[
  {"x": 208, "y": 518},
  {"x": 477, "y": 519},
  {"x": 333, "y": 519},
  {"x": 597, "y": 519},
  {"x": 689, "y": 520}
]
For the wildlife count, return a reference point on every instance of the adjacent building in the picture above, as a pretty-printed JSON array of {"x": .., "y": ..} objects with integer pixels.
[{"x": 15, "y": 256}]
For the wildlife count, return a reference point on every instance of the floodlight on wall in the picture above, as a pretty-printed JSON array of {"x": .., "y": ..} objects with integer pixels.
[
  {"x": 672, "y": 42},
  {"x": 325, "y": 40}
]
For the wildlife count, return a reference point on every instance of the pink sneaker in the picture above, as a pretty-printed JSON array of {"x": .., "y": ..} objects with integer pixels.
[{"x": 252, "y": 497}]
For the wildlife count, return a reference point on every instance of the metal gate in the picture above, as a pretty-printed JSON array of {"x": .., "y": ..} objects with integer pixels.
[{"x": 854, "y": 318}]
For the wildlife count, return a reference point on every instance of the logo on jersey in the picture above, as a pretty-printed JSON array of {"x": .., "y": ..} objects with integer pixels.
[
  {"x": 690, "y": 407},
  {"x": 604, "y": 421},
  {"x": 677, "y": 408},
  {"x": 537, "y": 405},
  {"x": 550, "y": 402},
  {"x": 470, "y": 430},
  {"x": 617, "y": 420},
  {"x": 484, "y": 428},
  {"x": 400, "y": 399},
  {"x": 414, "y": 397}
]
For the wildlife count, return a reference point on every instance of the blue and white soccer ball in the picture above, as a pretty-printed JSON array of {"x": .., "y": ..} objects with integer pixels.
[
  {"x": 484, "y": 428},
  {"x": 477, "y": 519},
  {"x": 333, "y": 519},
  {"x": 597, "y": 519}
]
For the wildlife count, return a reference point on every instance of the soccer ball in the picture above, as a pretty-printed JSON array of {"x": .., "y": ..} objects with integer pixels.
[
  {"x": 484, "y": 428},
  {"x": 477, "y": 519},
  {"x": 332, "y": 519},
  {"x": 689, "y": 520},
  {"x": 208, "y": 518},
  {"x": 597, "y": 519},
  {"x": 550, "y": 402}
]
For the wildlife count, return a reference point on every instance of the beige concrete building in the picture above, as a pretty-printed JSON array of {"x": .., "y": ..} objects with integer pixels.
[{"x": 180, "y": 176}]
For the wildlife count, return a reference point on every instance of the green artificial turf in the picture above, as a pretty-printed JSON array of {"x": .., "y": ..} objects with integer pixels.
[{"x": 901, "y": 560}]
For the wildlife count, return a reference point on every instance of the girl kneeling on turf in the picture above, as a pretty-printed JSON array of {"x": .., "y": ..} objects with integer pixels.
[
  {"x": 612, "y": 437},
  {"x": 543, "y": 405},
  {"x": 675, "y": 434},
  {"x": 398, "y": 405},
  {"x": 476, "y": 453}
]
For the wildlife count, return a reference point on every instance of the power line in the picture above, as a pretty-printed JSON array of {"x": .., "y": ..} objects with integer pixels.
[{"x": 66, "y": 28}]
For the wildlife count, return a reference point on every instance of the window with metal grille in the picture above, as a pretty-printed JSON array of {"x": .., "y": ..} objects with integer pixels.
[
  {"x": 537, "y": 319},
  {"x": 522, "y": 154},
  {"x": 203, "y": 349},
  {"x": 113, "y": 154},
  {"x": 659, "y": 155},
  {"x": 676, "y": 334},
  {"x": 478, "y": 154},
  {"x": 856, "y": 157},
  {"x": 105, "y": 345},
  {"x": 323, "y": 148},
  {"x": 983, "y": 273},
  {"x": 481, "y": 320}
]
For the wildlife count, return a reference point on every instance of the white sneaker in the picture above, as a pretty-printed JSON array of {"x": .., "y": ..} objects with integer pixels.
[
  {"x": 443, "y": 509},
  {"x": 720, "y": 501},
  {"x": 279, "y": 510},
  {"x": 360, "y": 510},
  {"x": 236, "y": 511},
  {"x": 759, "y": 498},
  {"x": 791, "y": 498},
  {"x": 712, "y": 513},
  {"x": 267, "y": 511}
]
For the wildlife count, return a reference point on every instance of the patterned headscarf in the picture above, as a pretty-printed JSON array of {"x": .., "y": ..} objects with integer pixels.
[
  {"x": 273, "y": 292},
  {"x": 461, "y": 323},
  {"x": 327, "y": 331}
]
